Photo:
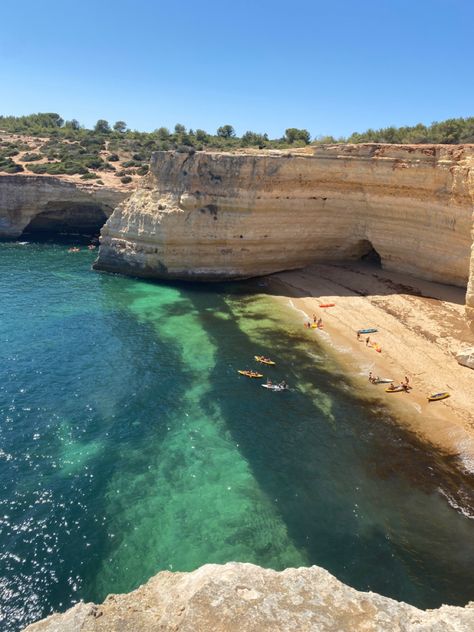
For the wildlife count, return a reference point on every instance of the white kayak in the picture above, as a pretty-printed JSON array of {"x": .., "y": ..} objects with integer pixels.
[
  {"x": 383, "y": 380},
  {"x": 275, "y": 387}
]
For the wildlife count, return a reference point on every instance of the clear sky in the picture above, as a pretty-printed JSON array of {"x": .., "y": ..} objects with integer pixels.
[{"x": 331, "y": 66}]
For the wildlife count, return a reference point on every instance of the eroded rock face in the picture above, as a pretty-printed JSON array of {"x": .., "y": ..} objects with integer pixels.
[
  {"x": 466, "y": 357},
  {"x": 49, "y": 204},
  {"x": 247, "y": 598},
  {"x": 210, "y": 216}
]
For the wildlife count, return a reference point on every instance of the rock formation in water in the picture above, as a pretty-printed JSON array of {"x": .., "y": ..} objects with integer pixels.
[
  {"x": 247, "y": 598},
  {"x": 51, "y": 204},
  {"x": 210, "y": 216}
]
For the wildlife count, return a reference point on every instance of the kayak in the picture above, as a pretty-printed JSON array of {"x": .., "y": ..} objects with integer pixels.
[
  {"x": 274, "y": 387},
  {"x": 377, "y": 347},
  {"x": 327, "y": 305},
  {"x": 383, "y": 380},
  {"x": 315, "y": 326},
  {"x": 371, "y": 330},
  {"x": 264, "y": 360},
  {"x": 397, "y": 389},
  {"x": 436, "y": 397},
  {"x": 250, "y": 374}
]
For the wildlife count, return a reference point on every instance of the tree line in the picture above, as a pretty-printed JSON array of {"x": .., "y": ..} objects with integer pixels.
[{"x": 450, "y": 131}]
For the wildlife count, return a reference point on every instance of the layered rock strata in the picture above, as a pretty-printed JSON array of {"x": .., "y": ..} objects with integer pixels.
[
  {"x": 247, "y": 598},
  {"x": 46, "y": 203},
  {"x": 211, "y": 216}
]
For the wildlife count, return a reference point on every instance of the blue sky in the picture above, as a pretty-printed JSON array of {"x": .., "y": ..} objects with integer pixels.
[{"x": 333, "y": 66}]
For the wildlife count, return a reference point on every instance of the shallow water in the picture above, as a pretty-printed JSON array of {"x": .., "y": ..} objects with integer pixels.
[{"x": 129, "y": 444}]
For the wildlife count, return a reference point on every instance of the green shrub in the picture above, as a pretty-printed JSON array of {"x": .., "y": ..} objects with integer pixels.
[
  {"x": 31, "y": 157},
  {"x": 100, "y": 182},
  {"x": 89, "y": 176},
  {"x": 113, "y": 157},
  {"x": 142, "y": 171},
  {"x": 132, "y": 163},
  {"x": 8, "y": 166},
  {"x": 125, "y": 179}
]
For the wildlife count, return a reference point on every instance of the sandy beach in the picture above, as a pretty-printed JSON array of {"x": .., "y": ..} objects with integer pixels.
[{"x": 421, "y": 326}]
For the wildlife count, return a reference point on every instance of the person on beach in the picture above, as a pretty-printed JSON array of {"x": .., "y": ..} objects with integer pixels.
[
  {"x": 405, "y": 386},
  {"x": 371, "y": 377},
  {"x": 314, "y": 318},
  {"x": 358, "y": 335},
  {"x": 367, "y": 341},
  {"x": 320, "y": 323}
]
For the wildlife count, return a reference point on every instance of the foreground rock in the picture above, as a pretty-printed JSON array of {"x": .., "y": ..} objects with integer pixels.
[
  {"x": 51, "y": 204},
  {"x": 244, "y": 597}
]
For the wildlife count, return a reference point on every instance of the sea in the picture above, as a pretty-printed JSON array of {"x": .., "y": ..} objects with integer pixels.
[{"x": 130, "y": 444}]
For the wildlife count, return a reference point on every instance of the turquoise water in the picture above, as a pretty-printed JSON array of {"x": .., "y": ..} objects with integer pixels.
[{"x": 129, "y": 444}]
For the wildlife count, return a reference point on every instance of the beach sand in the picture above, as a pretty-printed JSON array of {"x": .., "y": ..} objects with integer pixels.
[{"x": 421, "y": 326}]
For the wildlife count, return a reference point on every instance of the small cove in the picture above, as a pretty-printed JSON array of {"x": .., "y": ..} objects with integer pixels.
[{"x": 129, "y": 445}]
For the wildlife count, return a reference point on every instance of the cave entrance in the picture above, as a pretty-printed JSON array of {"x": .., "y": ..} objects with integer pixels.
[
  {"x": 368, "y": 254},
  {"x": 66, "y": 219}
]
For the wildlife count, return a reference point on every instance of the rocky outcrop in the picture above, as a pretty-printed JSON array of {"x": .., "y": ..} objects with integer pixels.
[
  {"x": 50, "y": 204},
  {"x": 247, "y": 598},
  {"x": 466, "y": 357},
  {"x": 211, "y": 216}
]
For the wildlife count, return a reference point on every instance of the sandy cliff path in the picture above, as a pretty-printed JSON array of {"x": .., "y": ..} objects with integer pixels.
[{"x": 421, "y": 325}]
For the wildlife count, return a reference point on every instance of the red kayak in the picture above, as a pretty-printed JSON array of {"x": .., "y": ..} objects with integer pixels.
[{"x": 327, "y": 305}]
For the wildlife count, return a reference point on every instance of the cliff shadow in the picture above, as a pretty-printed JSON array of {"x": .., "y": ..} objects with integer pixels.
[
  {"x": 365, "y": 277},
  {"x": 295, "y": 446}
]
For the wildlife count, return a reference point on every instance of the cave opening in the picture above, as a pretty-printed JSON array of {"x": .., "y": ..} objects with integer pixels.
[
  {"x": 66, "y": 219},
  {"x": 368, "y": 254}
]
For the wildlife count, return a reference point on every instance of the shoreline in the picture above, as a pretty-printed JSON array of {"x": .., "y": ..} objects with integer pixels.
[{"x": 421, "y": 325}]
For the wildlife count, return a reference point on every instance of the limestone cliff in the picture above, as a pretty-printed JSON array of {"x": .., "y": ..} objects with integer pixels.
[
  {"x": 247, "y": 598},
  {"x": 210, "y": 216},
  {"x": 45, "y": 203}
]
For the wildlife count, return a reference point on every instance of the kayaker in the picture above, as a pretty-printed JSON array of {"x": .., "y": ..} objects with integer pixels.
[{"x": 269, "y": 382}]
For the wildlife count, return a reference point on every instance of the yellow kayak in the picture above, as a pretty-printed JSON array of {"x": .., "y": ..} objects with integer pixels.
[
  {"x": 250, "y": 374},
  {"x": 396, "y": 389},
  {"x": 436, "y": 397},
  {"x": 264, "y": 360}
]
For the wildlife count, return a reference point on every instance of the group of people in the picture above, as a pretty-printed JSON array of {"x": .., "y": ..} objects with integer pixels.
[
  {"x": 281, "y": 384},
  {"x": 76, "y": 249},
  {"x": 316, "y": 321},
  {"x": 405, "y": 384}
]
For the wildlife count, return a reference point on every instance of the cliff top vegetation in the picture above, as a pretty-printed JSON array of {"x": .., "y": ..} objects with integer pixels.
[{"x": 45, "y": 143}]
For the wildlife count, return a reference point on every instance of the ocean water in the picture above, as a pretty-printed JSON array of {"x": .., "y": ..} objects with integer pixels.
[{"x": 129, "y": 444}]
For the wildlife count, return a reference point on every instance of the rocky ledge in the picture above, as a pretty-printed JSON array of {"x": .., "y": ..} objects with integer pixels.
[{"x": 247, "y": 598}]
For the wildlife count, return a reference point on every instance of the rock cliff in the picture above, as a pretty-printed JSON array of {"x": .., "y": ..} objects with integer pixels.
[
  {"x": 210, "y": 216},
  {"x": 247, "y": 598},
  {"x": 51, "y": 204}
]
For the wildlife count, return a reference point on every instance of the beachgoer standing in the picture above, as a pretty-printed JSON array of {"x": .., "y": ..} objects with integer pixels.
[
  {"x": 367, "y": 340},
  {"x": 358, "y": 335}
]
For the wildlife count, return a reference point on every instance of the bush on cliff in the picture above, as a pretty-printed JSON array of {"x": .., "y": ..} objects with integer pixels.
[{"x": 31, "y": 157}]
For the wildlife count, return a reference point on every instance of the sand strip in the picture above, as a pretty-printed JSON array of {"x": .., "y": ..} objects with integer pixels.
[{"x": 421, "y": 326}]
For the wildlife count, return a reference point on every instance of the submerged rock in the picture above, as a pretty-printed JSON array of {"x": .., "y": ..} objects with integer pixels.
[{"x": 246, "y": 598}]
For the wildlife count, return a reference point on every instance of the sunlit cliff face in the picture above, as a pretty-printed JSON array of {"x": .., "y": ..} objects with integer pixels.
[{"x": 209, "y": 216}]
